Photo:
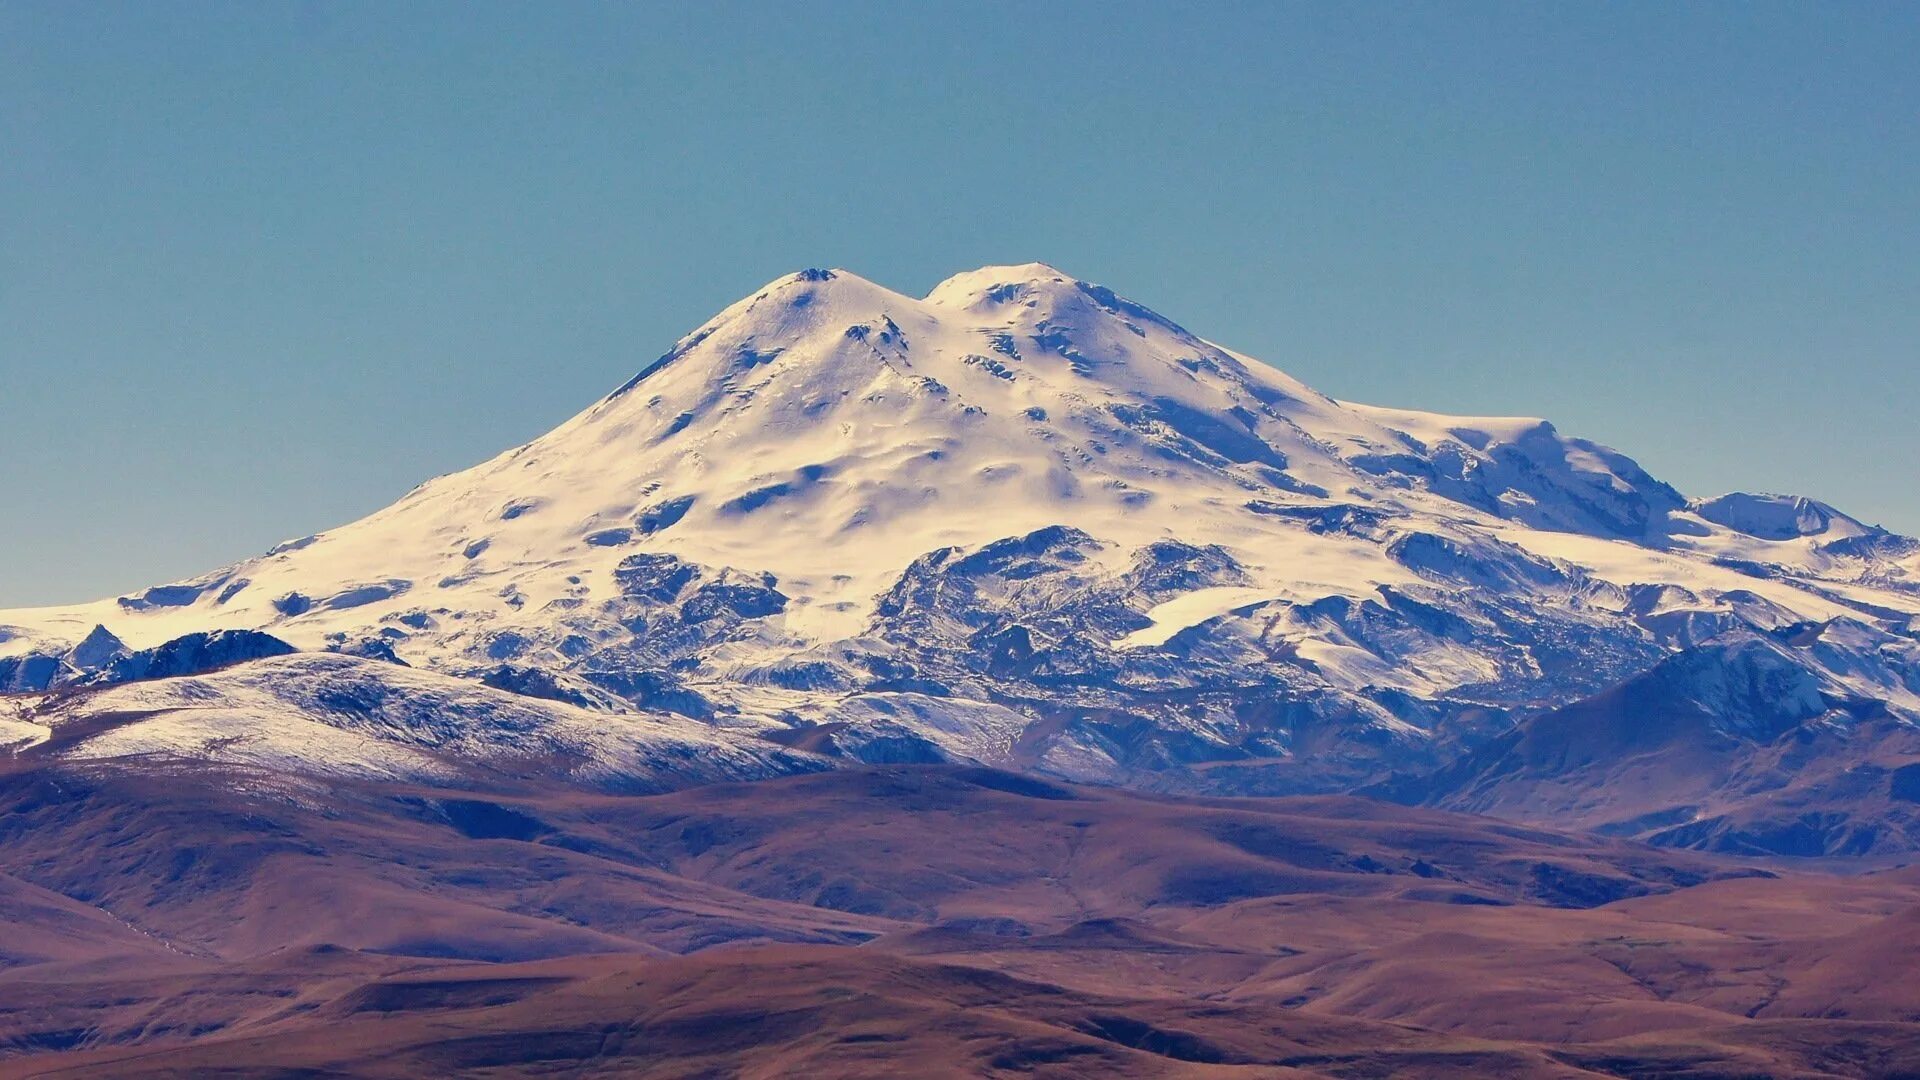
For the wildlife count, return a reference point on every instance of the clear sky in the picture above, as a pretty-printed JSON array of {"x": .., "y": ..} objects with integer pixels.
[{"x": 263, "y": 267}]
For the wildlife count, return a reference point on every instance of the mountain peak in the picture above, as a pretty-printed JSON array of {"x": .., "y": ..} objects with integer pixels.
[
  {"x": 998, "y": 284},
  {"x": 1775, "y": 517}
]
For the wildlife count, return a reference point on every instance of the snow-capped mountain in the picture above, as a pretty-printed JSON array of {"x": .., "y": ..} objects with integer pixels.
[{"x": 1028, "y": 522}]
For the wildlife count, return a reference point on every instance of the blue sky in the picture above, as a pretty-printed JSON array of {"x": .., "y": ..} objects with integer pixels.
[{"x": 265, "y": 267}]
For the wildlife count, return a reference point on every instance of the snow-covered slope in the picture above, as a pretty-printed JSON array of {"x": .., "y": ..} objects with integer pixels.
[
  {"x": 1027, "y": 521},
  {"x": 318, "y": 714}
]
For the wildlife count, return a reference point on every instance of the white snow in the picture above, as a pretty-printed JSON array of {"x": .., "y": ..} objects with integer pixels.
[
  {"x": 1191, "y": 609},
  {"x": 336, "y": 715}
]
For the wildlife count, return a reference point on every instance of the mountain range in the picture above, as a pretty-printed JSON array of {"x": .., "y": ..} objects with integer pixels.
[
  {"x": 1005, "y": 682},
  {"x": 1024, "y": 522}
]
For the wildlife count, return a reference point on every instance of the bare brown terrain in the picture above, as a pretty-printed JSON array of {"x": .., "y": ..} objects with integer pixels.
[{"x": 925, "y": 921}]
